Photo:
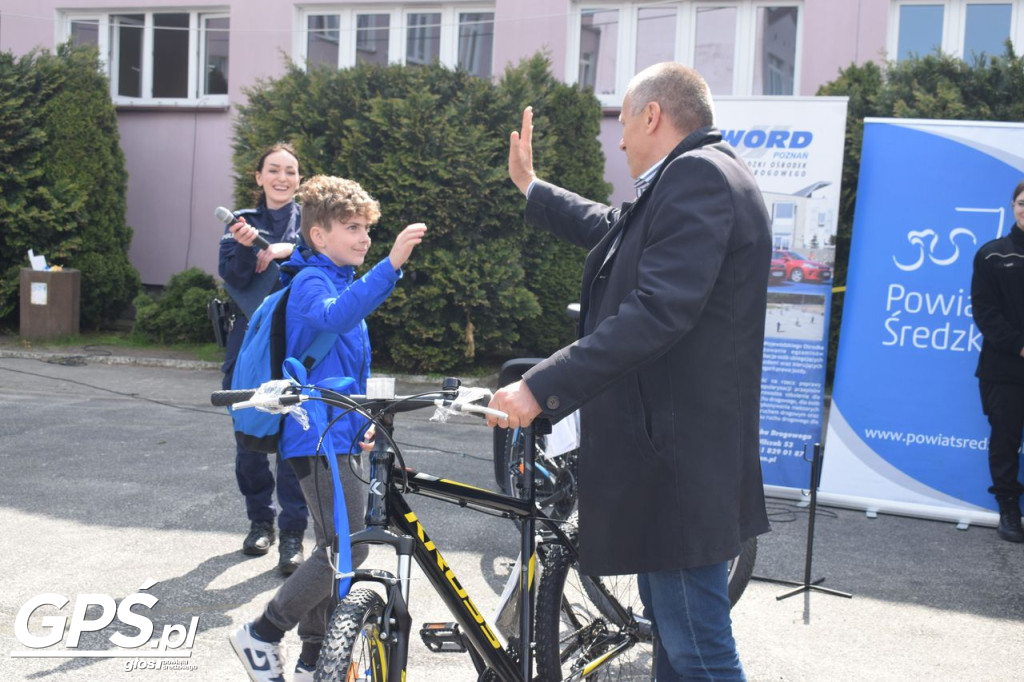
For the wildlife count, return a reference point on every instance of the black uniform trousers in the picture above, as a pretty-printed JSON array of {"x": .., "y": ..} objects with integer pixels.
[{"x": 1003, "y": 404}]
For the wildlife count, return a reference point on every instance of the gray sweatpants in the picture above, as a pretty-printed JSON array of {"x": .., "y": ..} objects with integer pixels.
[{"x": 305, "y": 597}]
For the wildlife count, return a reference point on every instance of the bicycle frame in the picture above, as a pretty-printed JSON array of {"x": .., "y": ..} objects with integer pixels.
[{"x": 391, "y": 521}]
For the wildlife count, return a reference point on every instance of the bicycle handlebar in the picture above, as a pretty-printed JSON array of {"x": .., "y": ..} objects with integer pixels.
[
  {"x": 225, "y": 398},
  {"x": 444, "y": 398}
]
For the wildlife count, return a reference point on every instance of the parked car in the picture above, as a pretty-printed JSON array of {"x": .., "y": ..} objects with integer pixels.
[
  {"x": 777, "y": 270},
  {"x": 800, "y": 268}
]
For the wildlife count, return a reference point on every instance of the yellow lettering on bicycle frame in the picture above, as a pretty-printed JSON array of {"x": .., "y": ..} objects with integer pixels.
[{"x": 453, "y": 581}]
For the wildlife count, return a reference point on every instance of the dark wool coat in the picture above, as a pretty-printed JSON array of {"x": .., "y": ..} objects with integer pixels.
[{"x": 667, "y": 370}]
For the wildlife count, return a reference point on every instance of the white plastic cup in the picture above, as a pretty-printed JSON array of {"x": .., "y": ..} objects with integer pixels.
[{"x": 380, "y": 388}]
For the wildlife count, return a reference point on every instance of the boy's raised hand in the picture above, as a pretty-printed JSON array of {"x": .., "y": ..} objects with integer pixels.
[{"x": 405, "y": 242}]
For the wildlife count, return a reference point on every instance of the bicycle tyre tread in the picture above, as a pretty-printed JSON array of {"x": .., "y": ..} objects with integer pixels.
[{"x": 360, "y": 607}]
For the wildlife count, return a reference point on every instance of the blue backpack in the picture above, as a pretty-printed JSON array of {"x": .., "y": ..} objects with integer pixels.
[{"x": 260, "y": 360}]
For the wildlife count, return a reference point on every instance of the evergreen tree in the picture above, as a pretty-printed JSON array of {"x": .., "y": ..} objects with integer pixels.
[
  {"x": 431, "y": 144},
  {"x": 63, "y": 190}
]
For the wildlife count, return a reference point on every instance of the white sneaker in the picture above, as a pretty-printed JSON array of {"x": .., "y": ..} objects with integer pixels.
[
  {"x": 262, "y": 660},
  {"x": 302, "y": 673}
]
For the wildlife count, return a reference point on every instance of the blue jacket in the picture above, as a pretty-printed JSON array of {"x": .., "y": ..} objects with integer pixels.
[{"x": 313, "y": 308}]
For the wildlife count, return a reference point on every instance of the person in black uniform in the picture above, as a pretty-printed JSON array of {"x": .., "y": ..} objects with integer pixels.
[
  {"x": 997, "y": 302},
  {"x": 249, "y": 274}
]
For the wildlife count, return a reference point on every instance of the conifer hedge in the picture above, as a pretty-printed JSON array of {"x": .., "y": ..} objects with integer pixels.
[
  {"x": 62, "y": 189},
  {"x": 431, "y": 144}
]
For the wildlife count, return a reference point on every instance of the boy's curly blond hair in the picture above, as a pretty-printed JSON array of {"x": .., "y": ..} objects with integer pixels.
[{"x": 326, "y": 198}]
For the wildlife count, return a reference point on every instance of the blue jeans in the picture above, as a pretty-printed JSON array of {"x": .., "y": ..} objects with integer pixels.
[{"x": 690, "y": 610}]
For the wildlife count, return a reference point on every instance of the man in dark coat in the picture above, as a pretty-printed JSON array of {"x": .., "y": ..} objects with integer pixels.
[{"x": 667, "y": 369}]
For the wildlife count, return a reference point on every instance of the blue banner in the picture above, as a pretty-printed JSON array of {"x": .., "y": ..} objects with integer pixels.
[{"x": 906, "y": 432}]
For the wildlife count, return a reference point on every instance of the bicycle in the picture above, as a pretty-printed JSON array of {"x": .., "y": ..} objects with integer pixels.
[{"x": 368, "y": 635}]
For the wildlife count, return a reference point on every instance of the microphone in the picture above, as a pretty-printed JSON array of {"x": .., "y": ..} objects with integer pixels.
[{"x": 228, "y": 218}]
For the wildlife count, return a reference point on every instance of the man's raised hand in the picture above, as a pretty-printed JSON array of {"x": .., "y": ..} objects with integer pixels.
[{"x": 520, "y": 153}]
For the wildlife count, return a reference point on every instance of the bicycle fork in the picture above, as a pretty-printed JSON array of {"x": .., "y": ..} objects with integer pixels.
[{"x": 396, "y": 622}]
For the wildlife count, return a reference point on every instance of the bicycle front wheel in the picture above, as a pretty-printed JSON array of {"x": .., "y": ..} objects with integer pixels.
[
  {"x": 589, "y": 626},
  {"x": 352, "y": 649}
]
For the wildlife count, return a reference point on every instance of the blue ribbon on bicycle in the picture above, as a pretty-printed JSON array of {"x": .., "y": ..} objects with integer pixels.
[{"x": 319, "y": 420}]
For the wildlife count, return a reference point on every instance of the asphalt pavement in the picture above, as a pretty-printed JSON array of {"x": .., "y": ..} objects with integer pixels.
[{"x": 117, "y": 487}]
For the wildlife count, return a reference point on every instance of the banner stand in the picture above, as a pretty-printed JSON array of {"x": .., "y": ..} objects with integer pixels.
[{"x": 807, "y": 585}]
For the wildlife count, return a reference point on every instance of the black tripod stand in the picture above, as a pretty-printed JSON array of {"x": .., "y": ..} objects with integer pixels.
[{"x": 807, "y": 585}]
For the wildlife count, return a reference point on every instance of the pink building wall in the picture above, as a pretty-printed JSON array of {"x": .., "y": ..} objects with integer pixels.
[
  {"x": 836, "y": 34},
  {"x": 179, "y": 160}
]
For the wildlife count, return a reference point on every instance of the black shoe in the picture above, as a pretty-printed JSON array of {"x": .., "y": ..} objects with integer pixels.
[
  {"x": 1009, "y": 521},
  {"x": 259, "y": 539},
  {"x": 290, "y": 550}
]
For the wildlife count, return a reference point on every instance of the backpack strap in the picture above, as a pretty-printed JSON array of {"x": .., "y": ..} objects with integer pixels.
[{"x": 318, "y": 349}]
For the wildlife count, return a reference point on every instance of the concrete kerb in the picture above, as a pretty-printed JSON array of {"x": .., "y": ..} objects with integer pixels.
[{"x": 73, "y": 358}]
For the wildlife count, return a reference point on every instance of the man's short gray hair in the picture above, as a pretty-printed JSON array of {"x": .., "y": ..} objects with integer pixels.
[{"x": 681, "y": 92}]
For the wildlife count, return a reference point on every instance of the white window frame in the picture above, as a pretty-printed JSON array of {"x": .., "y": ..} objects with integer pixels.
[
  {"x": 686, "y": 38},
  {"x": 397, "y": 25},
  {"x": 954, "y": 24},
  {"x": 107, "y": 44}
]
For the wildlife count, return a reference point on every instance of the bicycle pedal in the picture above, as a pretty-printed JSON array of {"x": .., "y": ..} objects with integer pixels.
[{"x": 443, "y": 637}]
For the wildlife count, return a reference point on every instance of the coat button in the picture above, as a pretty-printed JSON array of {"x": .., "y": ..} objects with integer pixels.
[{"x": 553, "y": 402}]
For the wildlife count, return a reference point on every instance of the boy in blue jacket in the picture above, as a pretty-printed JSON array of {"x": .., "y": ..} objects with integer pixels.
[{"x": 336, "y": 218}]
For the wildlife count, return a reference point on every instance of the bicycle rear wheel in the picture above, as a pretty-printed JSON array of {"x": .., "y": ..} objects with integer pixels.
[
  {"x": 741, "y": 569},
  {"x": 580, "y": 618},
  {"x": 573, "y": 633},
  {"x": 353, "y": 649}
]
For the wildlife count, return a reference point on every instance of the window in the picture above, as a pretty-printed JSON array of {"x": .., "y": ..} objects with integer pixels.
[
  {"x": 215, "y": 55},
  {"x": 159, "y": 58},
  {"x": 323, "y": 40},
  {"x": 715, "y": 47},
  {"x": 775, "y": 50},
  {"x": 962, "y": 28},
  {"x": 741, "y": 47},
  {"x": 476, "y": 43},
  {"x": 423, "y": 38},
  {"x": 372, "y": 36},
  {"x": 85, "y": 32},
  {"x": 655, "y": 35},
  {"x": 458, "y": 37},
  {"x": 599, "y": 42}
]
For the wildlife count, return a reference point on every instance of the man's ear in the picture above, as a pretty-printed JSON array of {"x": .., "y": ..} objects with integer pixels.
[{"x": 652, "y": 116}]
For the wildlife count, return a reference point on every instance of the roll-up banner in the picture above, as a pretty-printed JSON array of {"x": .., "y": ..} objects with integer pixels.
[
  {"x": 794, "y": 146},
  {"x": 906, "y": 434}
]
